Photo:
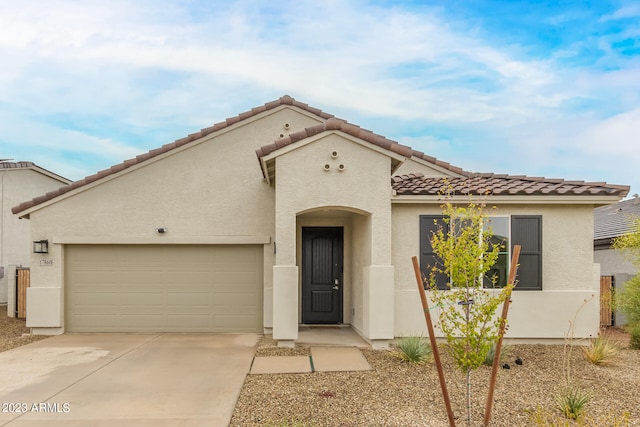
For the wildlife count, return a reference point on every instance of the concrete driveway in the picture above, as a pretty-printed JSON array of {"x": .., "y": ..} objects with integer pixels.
[{"x": 125, "y": 380}]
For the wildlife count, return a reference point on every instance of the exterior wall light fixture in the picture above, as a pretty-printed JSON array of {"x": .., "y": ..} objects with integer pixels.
[{"x": 41, "y": 247}]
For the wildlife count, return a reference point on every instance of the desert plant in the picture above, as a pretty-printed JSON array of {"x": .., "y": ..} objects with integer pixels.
[
  {"x": 488, "y": 359},
  {"x": 628, "y": 299},
  {"x": 572, "y": 398},
  {"x": 545, "y": 418},
  {"x": 414, "y": 349},
  {"x": 634, "y": 331},
  {"x": 467, "y": 310},
  {"x": 602, "y": 351},
  {"x": 571, "y": 402}
]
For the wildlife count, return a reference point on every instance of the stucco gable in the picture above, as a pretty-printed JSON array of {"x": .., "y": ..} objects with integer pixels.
[
  {"x": 267, "y": 154},
  {"x": 14, "y": 166},
  {"x": 285, "y": 101}
]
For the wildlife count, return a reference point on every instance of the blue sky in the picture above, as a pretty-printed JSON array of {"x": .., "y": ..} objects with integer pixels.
[{"x": 540, "y": 88}]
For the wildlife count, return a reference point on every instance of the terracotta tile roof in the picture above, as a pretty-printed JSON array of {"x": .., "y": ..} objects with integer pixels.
[
  {"x": 358, "y": 132},
  {"x": 501, "y": 185},
  {"x": 284, "y": 100},
  {"x": 340, "y": 125},
  {"x": 404, "y": 185}
]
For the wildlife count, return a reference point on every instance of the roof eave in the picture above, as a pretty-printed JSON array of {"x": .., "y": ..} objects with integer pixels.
[
  {"x": 597, "y": 200},
  {"x": 24, "y": 209},
  {"x": 267, "y": 161}
]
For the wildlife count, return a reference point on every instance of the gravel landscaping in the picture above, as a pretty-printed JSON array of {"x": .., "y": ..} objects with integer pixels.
[
  {"x": 396, "y": 393},
  {"x": 12, "y": 331},
  {"x": 399, "y": 394}
]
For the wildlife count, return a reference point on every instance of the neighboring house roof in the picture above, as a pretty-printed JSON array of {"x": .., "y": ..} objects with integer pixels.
[
  {"x": 332, "y": 123},
  {"x": 6, "y": 165},
  {"x": 615, "y": 220},
  {"x": 489, "y": 183}
]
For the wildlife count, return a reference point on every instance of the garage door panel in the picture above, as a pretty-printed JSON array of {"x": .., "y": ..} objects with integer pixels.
[
  {"x": 235, "y": 300},
  {"x": 99, "y": 277},
  {"x": 173, "y": 288},
  {"x": 95, "y": 299},
  {"x": 191, "y": 299},
  {"x": 227, "y": 321}
]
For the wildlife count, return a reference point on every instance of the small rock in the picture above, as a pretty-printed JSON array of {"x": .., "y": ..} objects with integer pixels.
[{"x": 506, "y": 366}]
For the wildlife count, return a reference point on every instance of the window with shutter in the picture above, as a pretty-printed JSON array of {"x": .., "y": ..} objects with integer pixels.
[
  {"x": 526, "y": 231},
  {"x": 429, "y": 224}
]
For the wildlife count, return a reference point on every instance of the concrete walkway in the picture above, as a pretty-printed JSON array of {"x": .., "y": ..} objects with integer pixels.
[
  {"x": 322, "y": 359},
  {"x": 333, "y": 349},
  {"x": 125, "y": 380}
]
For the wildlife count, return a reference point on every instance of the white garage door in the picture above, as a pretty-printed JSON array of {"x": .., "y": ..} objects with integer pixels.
[{"x": 163, "y": 288}]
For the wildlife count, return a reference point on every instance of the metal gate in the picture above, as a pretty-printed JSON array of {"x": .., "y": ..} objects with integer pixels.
[
  {"x": 23, "y": 279},
  {"x": 606, "y": 314}
]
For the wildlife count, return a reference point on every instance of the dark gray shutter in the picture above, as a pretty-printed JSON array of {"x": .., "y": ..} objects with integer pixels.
[
  {"x": 429, "y": 224},
  {"x": 526, "y": 231}
]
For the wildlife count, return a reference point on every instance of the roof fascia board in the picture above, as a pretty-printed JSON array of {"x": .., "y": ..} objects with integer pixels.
[
  {"x": 42, "y": 171},
  {"x": 518, "y": 199},
  {"x": 213, "y": 135},
  {"x": 265, "y": 160},
  {"x": 107, "y": 178},
  {"x": 299, "y": 110},
  {"x": 52, "y": 175},
  {"x": 308, "y": 140}
]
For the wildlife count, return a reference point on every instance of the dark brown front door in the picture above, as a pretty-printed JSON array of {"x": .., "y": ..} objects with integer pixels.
[{"x": 322, "y": 275}]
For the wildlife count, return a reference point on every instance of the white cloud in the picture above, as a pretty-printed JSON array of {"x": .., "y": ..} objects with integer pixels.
[
  {"x": 33, "y": 135},
  {"x": 311, "y": 56},
  {"x": 627, "y": 11},
  {"x": 155, "y": 69}
]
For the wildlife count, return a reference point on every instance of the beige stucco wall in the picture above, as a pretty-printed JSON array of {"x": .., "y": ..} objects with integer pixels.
[
  {"x": 17, "y": 186},
  {"x": 210, "y": 192},
  {"x": 569, "y": 276},
  {"x": 303, "y": 184},
  {"x": 214, "y": 192},
  {"x": 361, "y": 186},
  {"x": 613, "y": 261}
]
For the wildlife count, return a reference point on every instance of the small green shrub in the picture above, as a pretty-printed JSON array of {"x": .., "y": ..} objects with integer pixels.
[
  {"x": 414, "y": 349},
  {"x": 571, "y": 402},
  {"x": 545, "y": 418},
  {"x": 504, "y": 352},
  {"x": 634, "y": 331},
  {"x": 602, "y": 351}
]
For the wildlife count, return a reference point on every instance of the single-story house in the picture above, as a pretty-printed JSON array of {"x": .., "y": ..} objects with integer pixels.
[
  {"x": 285, "y": 215},
  {"x": 610, "y": 222},
  {"x": 19, "y": 181}
]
